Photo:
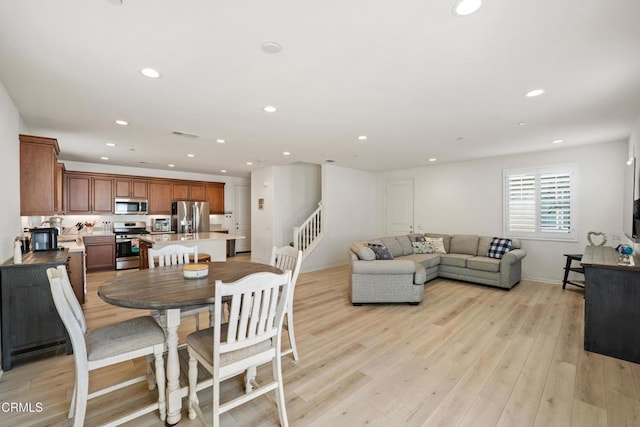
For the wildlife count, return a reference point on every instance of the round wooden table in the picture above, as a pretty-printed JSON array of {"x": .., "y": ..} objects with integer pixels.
[{"x": 165, "y": 288}]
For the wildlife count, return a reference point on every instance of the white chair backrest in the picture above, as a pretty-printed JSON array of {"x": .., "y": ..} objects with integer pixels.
[
  {"x": 172, "y": 255},
  {"x": 287, "y": 258},
  {"x": 69, "y": 309},
  {"x": 256, "y": 312}
]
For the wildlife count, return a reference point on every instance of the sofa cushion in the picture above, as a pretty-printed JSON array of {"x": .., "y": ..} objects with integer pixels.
[
  {"x": 405, "y": 244},
  {"x": 464, "y": 244},
  {"x": 436, "y": 245},
  {"x": 455, "y": 260},
  {"x": 484, "y": 264},
  {"x": 499, "y": 247},
  {"x": 392, "y": 244},
  {"x": 363, "y": 252},
  {"x": 483, "y": 245},
  {"x": 426, "y": 260},
  {"x": 381, "y": 251},
  {"x": 446, "y": 239}
]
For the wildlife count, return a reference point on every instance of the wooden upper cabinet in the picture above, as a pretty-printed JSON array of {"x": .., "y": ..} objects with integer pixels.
[
  {"x": 59, "y": 189},
  {"x": 78, "y": 194},
  {"x": 87, "y": 194},
  {"x": 181, "y": 191},
  {"x": 215, "y": 197},
  {"x": 38, "y": 163},
  {"x": 198, "y": 192},
  {"x": 102, "y": 195},
  {"x": 130, "y": 188},
  {"x": 160, "y": 197}
]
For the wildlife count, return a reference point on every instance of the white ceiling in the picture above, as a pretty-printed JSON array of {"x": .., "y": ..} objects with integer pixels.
[{"x": 417, "y": 80}]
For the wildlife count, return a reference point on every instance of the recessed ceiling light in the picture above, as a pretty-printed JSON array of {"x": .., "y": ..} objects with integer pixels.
[
  {"x": 150, "y": 72},
  {"x": 433, "y": 159},
  {"x": 522, "y": 123},
  {"x": 122, "y": 122},
  {"x": 286, "y": 153},
  {"x": 171, "y": 165},
  {"x": 466, "y": 7},
  {"x": 190, "y": 155},
  {"x": 270, "y": 109},
  {"x": 362, "y": 137},
  {"x": 249, "y": 163},
  {"x": 271, "y": 47},
  {"x": 110, "y": 144},
  {"x": 557, "y": 141},
  {"x": 220, "y": 141},
  {"x": 535, "y": 92},
  {"x": 104, "y": 158},
  {"x": 223, "y": 170}
]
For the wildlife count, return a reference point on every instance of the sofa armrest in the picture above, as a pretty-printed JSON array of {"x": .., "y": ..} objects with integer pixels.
[
  {"x": 513, "y": 256},
  {"x": 397, "y": 266}
]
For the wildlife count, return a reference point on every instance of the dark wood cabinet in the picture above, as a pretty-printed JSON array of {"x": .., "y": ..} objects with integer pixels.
[
  {"x": 130, "y": 188},
  {"x": 87, "y": 194},
  {"x": 38, "y": 163},
  {"x": 100, "y": 252},
  {"x": 180, "y": 191},
  {"x": 30, "y": 321},
  {"x": 198, "y": 192},
  {"x": 160, "y": 196},
  {"x": 215, "y": 197},
  {"x": 58, "y": 205},
  {"x": 144, "y": 247},
  {"x": 75, "y": 270}
]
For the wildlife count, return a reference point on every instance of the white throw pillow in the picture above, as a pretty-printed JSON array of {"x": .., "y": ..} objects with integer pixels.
[{"x": 437, "y": 245}]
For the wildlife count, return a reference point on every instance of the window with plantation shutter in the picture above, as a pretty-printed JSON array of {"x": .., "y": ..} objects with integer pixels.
[{"x": 539, "y": 203}]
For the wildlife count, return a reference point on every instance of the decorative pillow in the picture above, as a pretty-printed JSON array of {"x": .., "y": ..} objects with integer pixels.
[
  {"x": 381, "y": 251},
  {"x": 499, "y": 247},
  {"x": 363, "y": 252},
  {"x": 422, "y": 248},
  {"x": 437, "y": 245},
  {"x": 416, "y": 238}
]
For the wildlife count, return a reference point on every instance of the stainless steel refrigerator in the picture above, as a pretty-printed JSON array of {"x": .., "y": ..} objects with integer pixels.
[{"x": 189, "y": 217}]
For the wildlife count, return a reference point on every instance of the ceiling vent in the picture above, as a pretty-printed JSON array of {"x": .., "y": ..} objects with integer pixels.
[{"x": 185, "y": 134}]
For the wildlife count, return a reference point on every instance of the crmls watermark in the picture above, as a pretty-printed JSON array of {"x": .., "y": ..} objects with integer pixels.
[{"x": 34, "y": 407}]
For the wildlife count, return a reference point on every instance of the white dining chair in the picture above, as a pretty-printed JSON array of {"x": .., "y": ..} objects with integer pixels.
[
  {"x": 174, "y": 255},
  {"x": 251, "y": 337},
  {"x": 288, "y": 258},
  {"x": 106, "y": 346}
]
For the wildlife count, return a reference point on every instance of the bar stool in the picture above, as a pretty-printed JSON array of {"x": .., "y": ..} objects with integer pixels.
[
  {"x": 201, "y": 258},
  {"x": 568, "y": 268}
]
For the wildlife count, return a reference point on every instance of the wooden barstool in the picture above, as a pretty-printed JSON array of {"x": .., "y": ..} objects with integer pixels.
[
  {"x": 201, "y": 258},
  {"x": 568, "y": 268}
]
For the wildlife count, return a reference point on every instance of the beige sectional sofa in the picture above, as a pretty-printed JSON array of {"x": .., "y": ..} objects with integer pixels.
[{"x": 402, "y": 279}]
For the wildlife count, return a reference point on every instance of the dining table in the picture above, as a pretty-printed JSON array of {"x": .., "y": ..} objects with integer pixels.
[{"x": 166, "y": 289}]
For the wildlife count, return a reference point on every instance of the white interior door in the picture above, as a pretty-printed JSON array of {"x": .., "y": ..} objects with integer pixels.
[
  {"x": 398, "y": 207},
  {"x": 243, "y": 218}
]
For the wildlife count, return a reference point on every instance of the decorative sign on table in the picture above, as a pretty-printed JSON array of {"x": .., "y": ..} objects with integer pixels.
[{"x": 598, "y": 235}]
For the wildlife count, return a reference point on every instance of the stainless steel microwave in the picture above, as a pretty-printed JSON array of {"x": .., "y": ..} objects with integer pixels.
[{"x": 131, "y": 207}]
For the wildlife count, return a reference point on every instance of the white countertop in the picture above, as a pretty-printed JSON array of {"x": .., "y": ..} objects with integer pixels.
[
  {"x": 195, "y": 237},
  {"x": 73, "y": 246}
]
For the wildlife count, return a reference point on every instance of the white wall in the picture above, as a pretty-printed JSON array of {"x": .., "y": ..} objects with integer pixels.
[
  {"x": 466, "y": 197},
  {"x": 11, "y": 126},
  {"x": 262, "y": 220},
  {"x": 297, "y": 193},
  {"x": 349, "y": 200}
]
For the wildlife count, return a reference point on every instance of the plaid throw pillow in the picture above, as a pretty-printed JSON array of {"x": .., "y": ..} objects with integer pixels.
[{"x": 499, "y": 247}]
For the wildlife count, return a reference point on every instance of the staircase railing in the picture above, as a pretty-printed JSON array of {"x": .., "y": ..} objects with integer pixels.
[{"x": 307, "y": 236}]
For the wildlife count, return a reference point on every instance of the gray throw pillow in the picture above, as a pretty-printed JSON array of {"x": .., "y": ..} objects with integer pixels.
[{"x": 381, "y": 251}]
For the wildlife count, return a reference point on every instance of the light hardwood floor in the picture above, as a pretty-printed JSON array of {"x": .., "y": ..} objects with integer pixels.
[{"x": 468, "y": 355}]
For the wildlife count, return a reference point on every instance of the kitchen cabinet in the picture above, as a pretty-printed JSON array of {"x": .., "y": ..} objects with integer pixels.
[
  {"x": 58, "y": 205},
  {"x": 215, "y": 197},
  {"x": 160, "y": 196},
  {"x": 100, "y": 252},
  {"x": 198, "y": 192},
  {"x": 38, "y": 163},
  {"x": 30, "y": 321},
  {"x": 130, "y": 188},
  {"x": 181, "y": 191},
  {"x": 87, "y": 194},
  {"x": 144, "y": 247},
  {"x": 75, "y": 270}
]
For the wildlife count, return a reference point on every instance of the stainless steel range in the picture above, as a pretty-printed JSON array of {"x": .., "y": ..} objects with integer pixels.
[{"x": 127, "y": 243}]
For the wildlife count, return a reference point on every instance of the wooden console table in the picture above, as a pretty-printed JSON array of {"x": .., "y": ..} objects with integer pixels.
[{"x": 612, "y": 304}]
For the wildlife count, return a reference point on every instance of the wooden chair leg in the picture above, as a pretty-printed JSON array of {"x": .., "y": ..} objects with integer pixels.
[
  {"x": 277, "y": 375},
  {"x": 151, "y": 379},
  {"x": 292, "y": 335},
  {"x": 82, "y": 393},
  {"x": 193, "y": 382}
]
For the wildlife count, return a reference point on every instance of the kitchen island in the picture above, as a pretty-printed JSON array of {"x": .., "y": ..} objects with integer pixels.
[{"x": 209, "y": 242}]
